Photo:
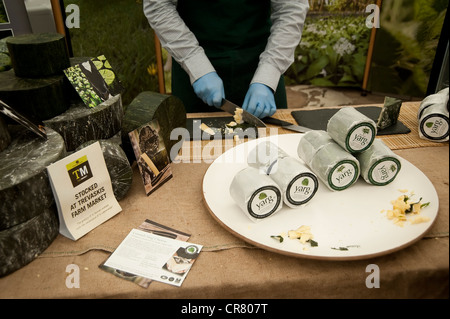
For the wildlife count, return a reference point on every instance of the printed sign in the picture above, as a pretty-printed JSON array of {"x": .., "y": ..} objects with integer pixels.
[{"x": 83, "y": 191}]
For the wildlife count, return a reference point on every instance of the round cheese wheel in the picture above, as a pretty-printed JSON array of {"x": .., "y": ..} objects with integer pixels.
[
  {"x": 352, "y": 130},
  {"x": 433, "y": 117},
  {"x": 22, "y": 243},
  {"x": 38, "y": 55},
  {"x": 24, "y": 185},
  {"x": 41, "y": 99},
  {"x": 148, "y": 106},
  {"x": 336, "y": 168},
  {"x": 118, "y": 166},
  {"x": 80, "y": 124}
]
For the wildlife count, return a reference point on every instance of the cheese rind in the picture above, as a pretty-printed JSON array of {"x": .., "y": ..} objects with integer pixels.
[
  {"x": 352, "y": 130},
  {"x": 38, "y": 55},
  {"x": 24, "y": 186},
  {"x": 22, "y": 243},
  {"x": 80, "y": 124},
  {"x": 118, "y": 166},
  {"x": 40, "y": 98},
  {"x": 5, "y": 137}
]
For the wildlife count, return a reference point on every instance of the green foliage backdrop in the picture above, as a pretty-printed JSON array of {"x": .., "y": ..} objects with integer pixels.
[{"x": 405, "y": 46}]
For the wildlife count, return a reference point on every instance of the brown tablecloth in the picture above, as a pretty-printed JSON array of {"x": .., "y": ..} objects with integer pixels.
[{"x": 228, "y": 267}]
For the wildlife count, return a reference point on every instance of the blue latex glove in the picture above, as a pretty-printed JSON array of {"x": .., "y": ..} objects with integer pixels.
[
  {"x": 210, "y": 89},
  {"x": 260, "y": 101}
]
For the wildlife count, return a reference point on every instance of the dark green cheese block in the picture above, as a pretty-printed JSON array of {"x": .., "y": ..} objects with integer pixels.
[
  {"x": 39, "y": 98},
  {"x": 80, "y": 124},
  {"x": 147, "y": 106},
  {"x": 5, "y": 137},
  {"x": 24, "y": 185},
  {"x": 5, "y": 62},
  {"x": 38, "y": 55},
  {"x": 21, "y": 244},
  {"x": 118, "y": 166}
]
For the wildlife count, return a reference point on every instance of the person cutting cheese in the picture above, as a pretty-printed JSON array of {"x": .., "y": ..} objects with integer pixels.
[{"x": 234, "y": 49}]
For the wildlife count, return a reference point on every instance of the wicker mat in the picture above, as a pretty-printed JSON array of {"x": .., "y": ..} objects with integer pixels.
[{"x": 208, "y": 151}]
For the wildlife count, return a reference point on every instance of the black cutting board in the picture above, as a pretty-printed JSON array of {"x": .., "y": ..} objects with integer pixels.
[
  {"x": 318, "y": 119},
  {"x": 218, "y": 124}
]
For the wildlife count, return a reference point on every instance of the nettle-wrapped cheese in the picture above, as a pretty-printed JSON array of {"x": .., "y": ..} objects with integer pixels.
[
  {"x": 433, "y": 117},
  {"x": 352, "y": 130},
  {"x": 5, "y": 137},
  {"x": 257, "y": 195},
  {"x": 379, "y": 165},
  {"x": 118, "y": 166},
  {"x": 334, "y": 166},
  {"x": 24, "y": 185},
  {"x": 297, "y": 182}
]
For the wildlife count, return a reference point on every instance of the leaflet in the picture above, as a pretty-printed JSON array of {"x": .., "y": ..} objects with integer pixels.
[{"x": 154, "y": 257}]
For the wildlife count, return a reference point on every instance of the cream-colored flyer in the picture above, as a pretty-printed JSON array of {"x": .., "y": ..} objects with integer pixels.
[
  {"x": 154, "y": 257},
  {"x": 83, "y": 191}
]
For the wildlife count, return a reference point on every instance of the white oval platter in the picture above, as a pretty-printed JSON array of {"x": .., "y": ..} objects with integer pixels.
[{"x": 347, "y": 225}]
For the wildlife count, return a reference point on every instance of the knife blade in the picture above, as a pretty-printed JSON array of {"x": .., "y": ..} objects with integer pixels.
[
  {"x": 286, "y": 125},
  {"x": 230, "y": 107}
]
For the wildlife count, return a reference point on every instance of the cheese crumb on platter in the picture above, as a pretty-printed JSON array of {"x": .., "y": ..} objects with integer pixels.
[
  {"x": 404, "y": 206},
  {"x": 302, "y": 234}
]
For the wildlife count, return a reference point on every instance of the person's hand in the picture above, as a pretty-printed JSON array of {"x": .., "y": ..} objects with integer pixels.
[
  {"x": 260, "y": 101},
  {"x": 209, "y": 88}
]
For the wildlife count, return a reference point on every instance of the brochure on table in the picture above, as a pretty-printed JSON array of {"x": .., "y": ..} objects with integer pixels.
[
  {"x": 155, "y": 228},
  {"x": 83, "y": 191},
  {"x": 154, "y": 257}
]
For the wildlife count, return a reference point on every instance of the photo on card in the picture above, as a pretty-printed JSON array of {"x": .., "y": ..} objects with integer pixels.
[
  {"x": 151, "y": 156},
  {"x": 4, "y": 18},
  {"x": 89, "y": 83},
  {"x": 181, "y": 261},
  {"x": 109, "y": 75}
]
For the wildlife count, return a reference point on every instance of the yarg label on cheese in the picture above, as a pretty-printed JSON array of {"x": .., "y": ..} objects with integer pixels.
[
  {"x": 360, "y": 138},
  {"x": 384, "y": 171},
  {"x": 302, "y": 189},
  {"x": 435, "y": 127},
  {"x": 343, "y": 175},
  {"x": 264, "y": 202}
]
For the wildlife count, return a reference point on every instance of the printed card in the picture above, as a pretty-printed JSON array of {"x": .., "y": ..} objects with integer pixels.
[
  {"x": 83, "y": 191},
  {"x": 151, "y": 156}
]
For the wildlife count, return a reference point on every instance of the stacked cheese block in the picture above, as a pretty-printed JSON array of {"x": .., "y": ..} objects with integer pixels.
[
  {"x": 37, "y": 88},
  {"x": 348, "y": 150}
]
